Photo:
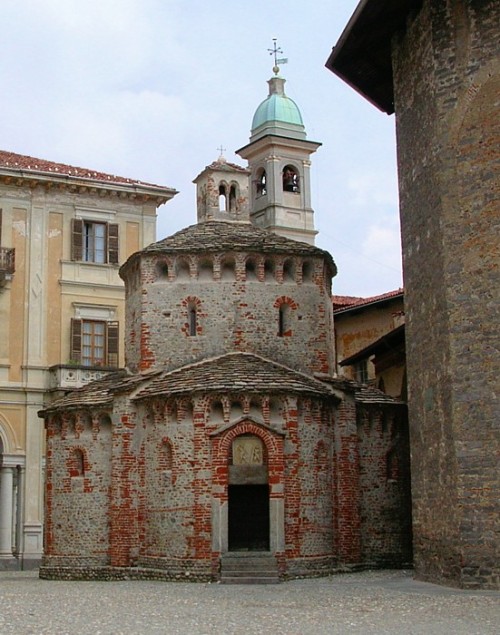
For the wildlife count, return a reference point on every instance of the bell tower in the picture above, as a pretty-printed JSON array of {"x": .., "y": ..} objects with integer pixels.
[
  {"x": 222, "y": 191},
  {"x": 278, "y": 158}
]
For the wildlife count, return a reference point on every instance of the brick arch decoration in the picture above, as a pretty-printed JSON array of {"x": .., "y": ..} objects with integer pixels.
[
  {"x": 221, "y": 451},
  {"x": 284, "y": 299}
]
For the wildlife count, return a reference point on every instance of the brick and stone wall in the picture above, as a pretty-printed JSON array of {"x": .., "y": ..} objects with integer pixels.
[
  {"x": 447, "y": 82},
  {"x": 237, "y": 298},
  {"x": 79, "y": 476}
]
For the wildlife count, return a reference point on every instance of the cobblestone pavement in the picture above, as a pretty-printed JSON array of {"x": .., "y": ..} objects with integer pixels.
[{"x": 380, "y": 603}]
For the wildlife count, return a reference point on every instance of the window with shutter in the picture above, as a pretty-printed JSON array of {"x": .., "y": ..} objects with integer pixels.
[
  {"x": 76, "y": 340},
  {"x": 94, "y": 342},
  {"x": 113, "y": 343},
  {"x": 94, "y": 242},
  {"x": 113, "y": 244},
  {"x": 76, "y": 239}
]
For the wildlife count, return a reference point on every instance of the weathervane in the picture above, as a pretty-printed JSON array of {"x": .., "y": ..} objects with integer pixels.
[{"x": 277, "y": 60}]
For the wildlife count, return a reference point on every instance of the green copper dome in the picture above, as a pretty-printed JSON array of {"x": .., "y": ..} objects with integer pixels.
[{"x": 277, "y": 114}]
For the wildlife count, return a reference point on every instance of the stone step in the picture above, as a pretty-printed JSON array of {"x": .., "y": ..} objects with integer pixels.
[
  {"x": 249, "y": 568},
  {"x": 254, "y": 579}
]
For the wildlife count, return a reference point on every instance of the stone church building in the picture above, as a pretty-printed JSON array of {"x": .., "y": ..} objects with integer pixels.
[{"x": 228, "y": 442}]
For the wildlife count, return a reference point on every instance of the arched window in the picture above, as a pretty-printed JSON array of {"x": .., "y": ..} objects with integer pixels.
[
  {"x": 222, "y": 198},
  {"x": 78, "y": 463},
  {"x": 290, "y": 179},
  {"x": 232, "y": 198},
  {"x": 192, "y": 320},
  {"x": 260, "y": 184},
  {"x": 284, "y": 320}
]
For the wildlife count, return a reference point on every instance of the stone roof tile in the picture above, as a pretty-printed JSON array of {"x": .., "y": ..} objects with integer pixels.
[
  {"x": 216, "y": 236},
  {"x": 234, "y": 372}
]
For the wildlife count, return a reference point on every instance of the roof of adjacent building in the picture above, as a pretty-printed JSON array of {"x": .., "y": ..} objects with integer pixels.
[
  {"x": 345, "y": 303},
  {"x": 231, "y": 236},
  {"x": 389, "y": 341},
  {"x": 12, "y": 164},
  {"x": 369, "y": 395},
  {"x": 96, "y": 393},
  {"x": 233, "y": 372},
  {"x": 362, "y": 55}
]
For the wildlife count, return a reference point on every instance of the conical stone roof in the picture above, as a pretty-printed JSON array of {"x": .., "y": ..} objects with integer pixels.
[{"x": 217, "y": 236}]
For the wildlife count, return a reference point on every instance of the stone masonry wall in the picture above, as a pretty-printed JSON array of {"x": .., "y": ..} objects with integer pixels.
[
  {"x": 385, "y": 504},
  {"x": 447, "y": 82},
  {"x": 78, "y": 476},
  {"x": 235, "y": 309}
]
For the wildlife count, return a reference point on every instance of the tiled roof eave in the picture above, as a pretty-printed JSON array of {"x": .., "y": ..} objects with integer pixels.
[
  {"x": 224, "y": 388},
  {"x": 70, "y": 181}
]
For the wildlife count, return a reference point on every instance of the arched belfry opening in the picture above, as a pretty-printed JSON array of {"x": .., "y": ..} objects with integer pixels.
[
  {"x": 248, "y": 495},
  {"x": 290, "y": 178},
  {"x": 222, "y": 198}
]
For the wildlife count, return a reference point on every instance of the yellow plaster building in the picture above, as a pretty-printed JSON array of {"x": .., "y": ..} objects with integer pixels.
[
  {"x": 64, "y": 232},
  {"x": 369, "y": 340}
]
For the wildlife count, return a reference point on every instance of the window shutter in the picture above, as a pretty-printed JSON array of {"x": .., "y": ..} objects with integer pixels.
[
  {"x": 113, "y": 244},
  {"x": 76, "y": 239},
  {"x": 76, "y": 340},
  {"x": 113, "y": 344}
]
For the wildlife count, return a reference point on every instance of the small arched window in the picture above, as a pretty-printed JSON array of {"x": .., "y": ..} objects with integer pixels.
[
  {"x": 284, "y": 321},
  {"x": 232, "y": 198},
  {"x": 192, "y": 320},
  {"x": 222, "y": 198},
  {"x": 78, "y": 463},
  {"x": 290, "y": 179}
]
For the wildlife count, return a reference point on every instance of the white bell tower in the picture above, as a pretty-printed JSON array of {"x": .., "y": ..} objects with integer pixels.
[{"x": 278, "y": 157}]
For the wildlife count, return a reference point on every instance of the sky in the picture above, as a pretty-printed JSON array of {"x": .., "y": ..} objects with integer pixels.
[{"x": 150, "y": 89}]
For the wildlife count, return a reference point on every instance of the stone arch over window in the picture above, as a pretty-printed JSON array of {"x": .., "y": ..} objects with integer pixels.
[
  {"x": 289, "y": 270},
  {"x": 228, "y": 268},
  {"x": 269, "y": 270},
  {"x": 290, "y": 177},
  {"x": 205, "y": 269},
  {"x": 286, "y": 306},
  {"x": 261, "y": 183},
  {"x": 182, "y": 269}
]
